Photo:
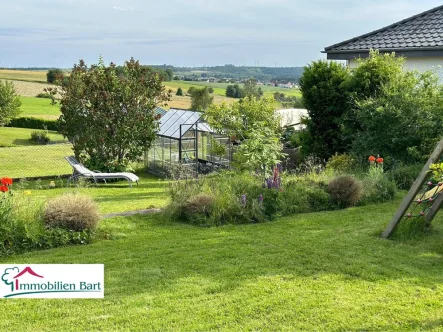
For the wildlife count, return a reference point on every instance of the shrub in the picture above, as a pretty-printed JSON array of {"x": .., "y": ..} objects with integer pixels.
[
  {"x": 377, "y": 188},
  {"x": 44, "y": 95},
  {"x": 197, "y": 208},
  {"x": 404, "y": 176},
  {"x": 73, "y": 212},
  {"x": 33, "y": 123},
  {"x": 341, "y": 163},
  {"x": 179, "y": 92},
  {"x": 345, "y": 190},
  {"x": 53, "y": 75},
  {"x": 40, "y": 137}
]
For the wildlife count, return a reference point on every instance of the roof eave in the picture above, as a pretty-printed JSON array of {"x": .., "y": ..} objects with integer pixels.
[{"x": 364, "y": 53}]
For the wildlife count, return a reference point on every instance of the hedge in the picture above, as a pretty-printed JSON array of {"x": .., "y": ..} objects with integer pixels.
[{"x": 34, "y": 123}]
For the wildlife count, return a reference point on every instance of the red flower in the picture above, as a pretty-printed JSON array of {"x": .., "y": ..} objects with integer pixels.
[
  {"x": 6, "y": 181},
  {"x": 371, "y": 158},
  {"x": 3, "y": 189},
  {"x": 380, "y": 160}
]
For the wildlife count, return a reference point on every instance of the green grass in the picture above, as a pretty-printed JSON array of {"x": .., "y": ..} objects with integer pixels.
[
  {"x": 323, "y": 271},
  {"x": 21, "y": 136},
  {"x": 39, "y": 108},
  {"x": 111, "y": 197},
  {"x": 33, "y": 161},
  {"x": 220, "y": 88}
]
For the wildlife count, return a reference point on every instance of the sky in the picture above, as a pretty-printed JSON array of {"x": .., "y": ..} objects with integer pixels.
[{"x": 284, "y": 33}]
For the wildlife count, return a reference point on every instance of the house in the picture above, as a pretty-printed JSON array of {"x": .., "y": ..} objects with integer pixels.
[
  {"x": 419, "y": 38},
  {"x": 285, "y": 85}
]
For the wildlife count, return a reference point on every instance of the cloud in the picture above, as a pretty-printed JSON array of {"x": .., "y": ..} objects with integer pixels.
[{"x": 123, "y": 9}]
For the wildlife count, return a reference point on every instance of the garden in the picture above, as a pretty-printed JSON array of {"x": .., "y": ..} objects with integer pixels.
[{"x": 253, "y": 247}]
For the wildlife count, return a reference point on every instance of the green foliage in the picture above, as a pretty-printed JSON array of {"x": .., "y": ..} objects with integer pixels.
[
  {"x": 341, "y": 163},
  {"x": 200, "y": 99},
  {"x": 236, "y": 119},
  {"x": 170, "y": 74},
  {"x": 234, "y": 91},
  {"x": 44, "y": 95},
  {"x": 345, "y": 190},
  {"x": 109, "y": 116},
  {"x": 261, "y": 151},
  {"x": 54, "y": 75},
  {"x": 326, "y": 101},
  {"x": 211, "y": 89},
  {"x": 179, "y": 92},
  {"x": 33, "y": 123},
  {"x": 22, "y": 228},
  {"x": 9, "y": 102},
  {"x": 197, "y": 208},
  {"x": 191, "y": 90},
  {"x": 377, "y": 187},
  {"x": 404, "y": 175},
  {"x": 250, "y": 88},
  {"x": 403, "y": 121},
  {"x": 40, "y": 137},
  {"x": 72, "y": 212}
]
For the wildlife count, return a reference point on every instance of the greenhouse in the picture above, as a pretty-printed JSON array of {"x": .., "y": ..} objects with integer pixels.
[{"x": 187, "y": 144}]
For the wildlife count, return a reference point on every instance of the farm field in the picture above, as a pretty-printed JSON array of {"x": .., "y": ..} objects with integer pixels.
[
  {"x": 23, "y": 75},
  {"x": 220, "y": 88},
  {"x": 320, "y": 271},
  {"x": 20, "y": 136}
]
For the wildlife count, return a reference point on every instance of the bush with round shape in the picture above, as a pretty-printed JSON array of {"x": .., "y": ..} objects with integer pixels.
[
  {"x": 74, "y": 212},
  {"x": 196, "y": 209},
  {"x": 345, "y": 190}
]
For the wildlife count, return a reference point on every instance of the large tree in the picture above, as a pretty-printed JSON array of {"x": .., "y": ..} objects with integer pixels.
[
  {"x": 9, "y": 102},
  {"x": 201, "y": 99},
  {"x": 326, "y": 99},
  {"x": 108, "y": 116}
]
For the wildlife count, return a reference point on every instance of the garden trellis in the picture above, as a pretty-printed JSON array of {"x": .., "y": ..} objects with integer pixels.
[
  {"x": 185, "y": 140},
  {"x": 423, "y": 199}
]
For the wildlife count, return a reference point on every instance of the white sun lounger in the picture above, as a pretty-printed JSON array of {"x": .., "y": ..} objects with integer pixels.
[{"x": 82, "y": 171}]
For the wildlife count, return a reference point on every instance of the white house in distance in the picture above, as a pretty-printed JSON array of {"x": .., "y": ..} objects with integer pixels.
[{"x": 418, "y": 38}]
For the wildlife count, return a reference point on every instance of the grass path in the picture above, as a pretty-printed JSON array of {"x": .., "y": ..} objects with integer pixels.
[
  {"x": 20, "y": 136},
  {"x": 323, "y": 271},
  {"x": 39, "y": 108}
]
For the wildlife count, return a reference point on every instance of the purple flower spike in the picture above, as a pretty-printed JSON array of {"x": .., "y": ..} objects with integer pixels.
[
  {"x": 260, "y": 199},
  {"x": 280, "y": 167},
  {"x": 243, "y": 200}
]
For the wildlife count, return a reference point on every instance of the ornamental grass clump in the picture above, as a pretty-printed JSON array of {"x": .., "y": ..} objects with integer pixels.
[
  {"x": 73, "y": 212},
  {"x": 345, "y": 190}
]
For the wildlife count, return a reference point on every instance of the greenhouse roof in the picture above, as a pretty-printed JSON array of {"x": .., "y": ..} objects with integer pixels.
[{"x": 175, "y": 119}]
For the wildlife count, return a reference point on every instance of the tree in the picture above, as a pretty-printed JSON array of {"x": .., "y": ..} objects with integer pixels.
[
  {"x": 191, "y": 90},
  {"x": 109, "y": 118},
  {"x": 234, "y": 91},
  {"x": 402, "y": 121},
  {"x": 54, "y": 75},
  {"x": 326, "y": 99},
  {"x": 170, "y": 74},
  {"x": 250, "y": 88},
  {"x": 9, "y": 102},
  {"x": 179, "y": 92},
  {"x": 255, "y": 123},
  {"x": 176, "y": 78},
  {"x": 236, "y": 119},
  {"x": 211, "y": 89},
  {"x": 201, "y": 99}
]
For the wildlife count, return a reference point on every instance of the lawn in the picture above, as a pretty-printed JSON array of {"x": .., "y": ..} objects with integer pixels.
[
  {"x": 322, "y": 271},
  {"x": 33, "y": 161},
  {"x": 111, "y": 197},
  {"x": 39, "y": 108},
  {"x": 21, "y": 136}
]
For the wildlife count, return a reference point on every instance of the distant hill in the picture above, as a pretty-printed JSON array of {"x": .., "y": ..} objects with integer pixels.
[{"x": 291, "y": 74}]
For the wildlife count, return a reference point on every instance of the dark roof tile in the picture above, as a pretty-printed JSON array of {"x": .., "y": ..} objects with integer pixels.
[{"x": 422, "y": 30}]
